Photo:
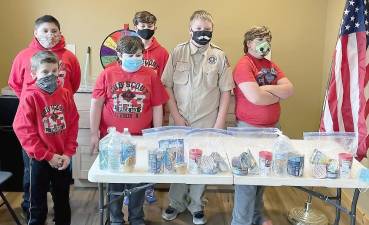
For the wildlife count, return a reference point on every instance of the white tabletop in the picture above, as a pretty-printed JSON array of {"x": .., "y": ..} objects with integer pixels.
[{"x": 228, "y": 148}]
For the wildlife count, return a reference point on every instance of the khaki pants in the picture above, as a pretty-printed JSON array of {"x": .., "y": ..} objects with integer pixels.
[{"x": 187, "y": 196}]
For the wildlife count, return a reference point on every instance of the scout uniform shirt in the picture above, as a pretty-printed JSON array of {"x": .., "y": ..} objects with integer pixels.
[{"x": 197, "y": 77}]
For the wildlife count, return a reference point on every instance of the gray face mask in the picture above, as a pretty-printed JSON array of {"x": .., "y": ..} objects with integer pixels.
[{"x": 48, "y": 84}]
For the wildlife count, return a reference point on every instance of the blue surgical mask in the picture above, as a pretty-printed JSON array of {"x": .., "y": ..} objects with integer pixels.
[
  {"x": 132, "y": 64},
  {"x": 48, "y": 84}
]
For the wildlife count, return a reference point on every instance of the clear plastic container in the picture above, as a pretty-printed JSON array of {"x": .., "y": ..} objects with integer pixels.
[
  {"x": 103, "y": 149},
  {"x": 113, "y": 148},
  {"x": 128, "y": 152}
]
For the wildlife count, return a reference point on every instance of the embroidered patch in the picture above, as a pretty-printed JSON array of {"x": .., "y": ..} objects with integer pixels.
[{"x": 212, "y": 60}]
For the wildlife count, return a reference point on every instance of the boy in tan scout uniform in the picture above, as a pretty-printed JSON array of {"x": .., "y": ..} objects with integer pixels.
[{"x": 198, "y": 79}]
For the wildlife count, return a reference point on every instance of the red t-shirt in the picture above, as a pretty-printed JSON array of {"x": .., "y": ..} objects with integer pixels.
[
  {"x": 263, "y": 72},
  {"x": 129, "y": 98},
  {"x": 47, "y": 123}
]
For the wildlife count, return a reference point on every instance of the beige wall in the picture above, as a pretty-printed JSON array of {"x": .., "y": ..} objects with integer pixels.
[
  {"x": 304, "y": 36},
  {"x": 298, "y": 29}
]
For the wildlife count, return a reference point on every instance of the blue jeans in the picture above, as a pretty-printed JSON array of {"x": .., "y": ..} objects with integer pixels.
[
  {"x": 135, "y": 205},
  {"x": 248, "y": 199}
]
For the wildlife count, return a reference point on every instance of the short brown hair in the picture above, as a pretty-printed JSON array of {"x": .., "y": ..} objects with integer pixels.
[
  {"x": 42, "y": 57},
  {"x": 129, "y": 45},
  {"x": 46, "y": 19},
  {"x": 256, "y": 32},
  {"x": 203, "y": 15},
  {"x": 144, "y": 17}
]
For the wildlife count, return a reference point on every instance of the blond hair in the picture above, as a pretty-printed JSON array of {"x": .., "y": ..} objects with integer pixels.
[
  {"x": 202, "y": 15},
  {"x": 256, "y": 32}
]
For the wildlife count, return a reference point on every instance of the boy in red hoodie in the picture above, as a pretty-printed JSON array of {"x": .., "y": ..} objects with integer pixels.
[
  {"x": 154, "y": 55},
  {"x": 47, "y": 36},
  {"x": 46, "y": 124}
]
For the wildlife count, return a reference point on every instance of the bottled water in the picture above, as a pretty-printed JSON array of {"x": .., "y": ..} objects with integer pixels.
[
  {"x": 128, "y": 152},
  {"x": 114, "y": 146}
]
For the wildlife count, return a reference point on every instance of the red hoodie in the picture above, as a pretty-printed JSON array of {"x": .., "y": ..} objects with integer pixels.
[
  {"x": 20, "y": 74},
  {"x": 155, "y": 57},
  {"x": 47, "y": 123}
]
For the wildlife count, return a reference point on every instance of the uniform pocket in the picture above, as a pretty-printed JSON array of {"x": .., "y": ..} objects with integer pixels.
[
  {"x": 181, "y": 73},
  {"x": 211, "y": 77}
]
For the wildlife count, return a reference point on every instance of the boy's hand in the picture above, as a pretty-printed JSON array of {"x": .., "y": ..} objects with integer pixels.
[
  {"x": 94, "y": 142},
  {"x": 65, "y": 162},
  {"x": 56, "y": 161},
  {"x": 180, "y": 121}
]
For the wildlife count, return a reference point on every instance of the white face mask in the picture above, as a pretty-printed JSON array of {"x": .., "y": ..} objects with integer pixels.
[
  {"x": 48, "y": 35},
  {"x": 49, "y": 40}
]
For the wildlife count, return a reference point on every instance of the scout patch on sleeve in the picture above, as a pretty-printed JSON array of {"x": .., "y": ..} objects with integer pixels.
[{"x": 212, "y": 59}]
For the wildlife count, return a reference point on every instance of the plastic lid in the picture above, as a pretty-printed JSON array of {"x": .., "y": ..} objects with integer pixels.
[
  {"x": 195, "y": 153},
  {"x": 345, "y": 156},
  {"x": 111, "y": 129},
  {"x": 266, "y": 155}
]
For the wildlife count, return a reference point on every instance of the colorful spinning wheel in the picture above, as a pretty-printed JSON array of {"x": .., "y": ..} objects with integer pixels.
[{"x": 108, "y": 54}]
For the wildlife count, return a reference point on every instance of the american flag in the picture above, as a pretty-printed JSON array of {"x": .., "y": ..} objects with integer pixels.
[{"x": 346, "y": 104}]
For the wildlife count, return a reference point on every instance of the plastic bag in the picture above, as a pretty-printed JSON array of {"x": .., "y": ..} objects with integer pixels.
[
  {"x": 333, "y": 153},
  {"x": 254, "y": 132},
  {"x": 171, "y": 146},
  {"x": 282, "y": 147},
  {"x": 167, "y": 131},
  {"x": 333, "y": 142},
  {"x": 205, "y": 147},
  {"x": 258, "y": 143}
]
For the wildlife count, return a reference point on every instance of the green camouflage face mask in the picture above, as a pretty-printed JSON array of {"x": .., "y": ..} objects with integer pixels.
[{"x": 263, "y": 48}]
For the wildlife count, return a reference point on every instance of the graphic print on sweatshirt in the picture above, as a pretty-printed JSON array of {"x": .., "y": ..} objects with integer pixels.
[
  {"x": 128, "y": 99},
  {"x": 53, "y": 119},
  {"x": 62, "y": 73},
  {"x": 266, "y": 76},
  {"x": 150, "y": 63}
]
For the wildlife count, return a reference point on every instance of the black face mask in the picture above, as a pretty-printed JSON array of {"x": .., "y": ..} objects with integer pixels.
[
  {"x": 146, "y": 33},
  {"x": 202, "y": 37}
]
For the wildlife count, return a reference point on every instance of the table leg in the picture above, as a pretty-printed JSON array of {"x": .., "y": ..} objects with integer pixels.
[
  {"x": 101, "y": 202},
  {"x": 108, "y": 203},
  {"x": 338, "y": 210},
  {"x": 353, "y": 207}
]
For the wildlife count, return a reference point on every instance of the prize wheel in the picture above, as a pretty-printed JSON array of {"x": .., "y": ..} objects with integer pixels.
[{"x": 108, "y": 53}]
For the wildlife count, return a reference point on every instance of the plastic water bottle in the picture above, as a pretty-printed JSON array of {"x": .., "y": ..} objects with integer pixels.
[
  {"x": 128, "y": 152},
  {"x": 114, "y": 146}
]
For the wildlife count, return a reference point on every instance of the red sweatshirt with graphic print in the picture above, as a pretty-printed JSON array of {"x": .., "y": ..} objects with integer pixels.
[
  {"x": 69, "y": 69},
  {"x": 46, "y": 124},
  {"x": 129, "y": 98},
  {"x": 155, "y": 57}
]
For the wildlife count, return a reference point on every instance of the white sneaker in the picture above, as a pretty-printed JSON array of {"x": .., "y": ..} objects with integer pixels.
[
  {"x": 170, "y": 213},
  {"x": 198, "y": 218}
]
